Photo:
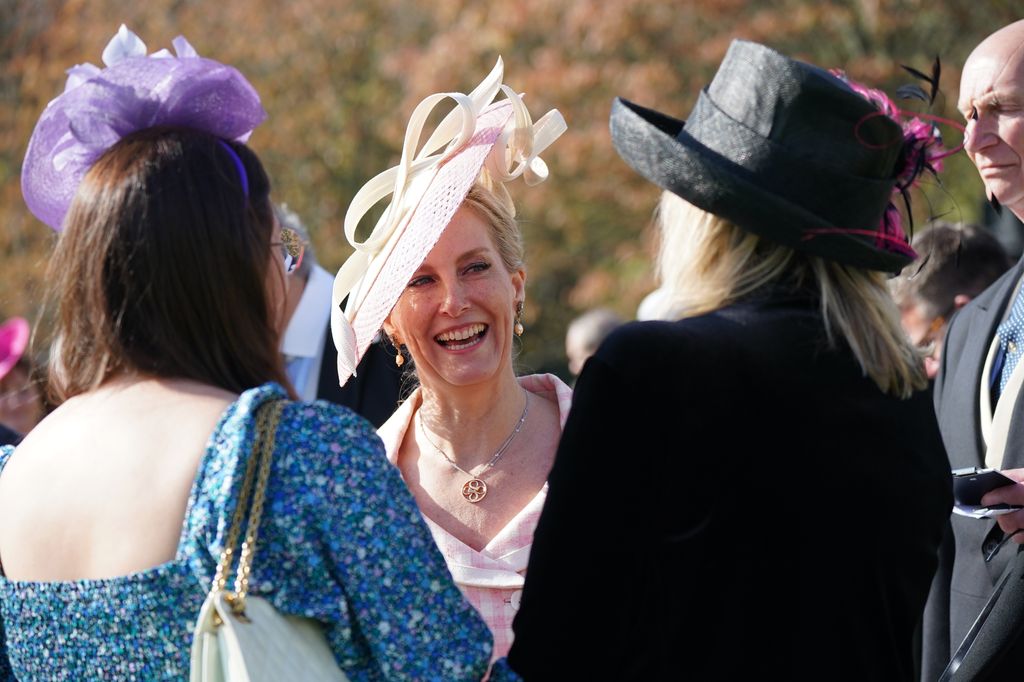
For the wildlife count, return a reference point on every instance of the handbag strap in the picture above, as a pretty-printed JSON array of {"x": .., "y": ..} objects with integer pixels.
[{"x": 254, "y": 486}]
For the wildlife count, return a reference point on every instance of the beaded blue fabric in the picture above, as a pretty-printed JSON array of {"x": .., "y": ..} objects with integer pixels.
[{"x": 341, "y": 540}]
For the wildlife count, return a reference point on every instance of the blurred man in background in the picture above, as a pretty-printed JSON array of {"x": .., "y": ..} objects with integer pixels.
[
  {"x": 954, "y": 264},
  {"x": 585, "y": 334},
  {"x": 309, "y": 353}
]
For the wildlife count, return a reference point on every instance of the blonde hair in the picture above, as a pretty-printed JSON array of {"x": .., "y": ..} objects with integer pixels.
[
  {"x": 706, "y": 263},
  {"x": 497, "y": 210}
]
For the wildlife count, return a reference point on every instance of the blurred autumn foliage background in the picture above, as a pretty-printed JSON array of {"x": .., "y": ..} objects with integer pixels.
[{"x": 340, "y": 78}]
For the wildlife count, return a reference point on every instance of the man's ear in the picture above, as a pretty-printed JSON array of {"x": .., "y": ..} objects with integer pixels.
[{"x": 960, "y": 300}]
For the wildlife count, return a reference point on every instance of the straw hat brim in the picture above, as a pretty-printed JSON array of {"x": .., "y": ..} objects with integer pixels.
[
  {"x": 659, "y": 148},
  {"x": 440, "y": 196}
]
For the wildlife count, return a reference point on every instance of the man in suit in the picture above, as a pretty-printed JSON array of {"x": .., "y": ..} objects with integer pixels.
[
  {"x": 977, "y": 389},
  {"x": 309, "y": 353}
]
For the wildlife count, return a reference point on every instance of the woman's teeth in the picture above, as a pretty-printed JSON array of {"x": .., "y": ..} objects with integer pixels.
[{"x": 457, "y": 339}]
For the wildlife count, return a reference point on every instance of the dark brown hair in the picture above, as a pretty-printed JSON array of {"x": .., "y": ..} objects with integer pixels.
[
  {"x": 162, "y": 267},
  {"x": 952, "y": 260}
]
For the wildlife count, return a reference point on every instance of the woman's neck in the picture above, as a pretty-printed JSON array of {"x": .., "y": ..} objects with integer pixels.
[
  {"x": 134, "y": 382},
  {"x": 470, "y": 423}
]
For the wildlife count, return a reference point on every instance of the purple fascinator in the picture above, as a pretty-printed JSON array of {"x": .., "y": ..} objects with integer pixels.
[{"x": 134, "y": 92}]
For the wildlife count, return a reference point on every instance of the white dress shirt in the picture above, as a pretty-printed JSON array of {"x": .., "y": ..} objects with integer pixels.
[{"x": 303, "y": 341}]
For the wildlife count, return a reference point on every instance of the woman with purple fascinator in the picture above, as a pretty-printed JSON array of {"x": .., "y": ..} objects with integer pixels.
[{"x": 167, "y": 285}]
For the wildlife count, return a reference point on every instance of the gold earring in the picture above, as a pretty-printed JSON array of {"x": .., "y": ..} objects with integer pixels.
[
  {"x": 518, "y": 329},
  {"x": 399, "y": 358}
]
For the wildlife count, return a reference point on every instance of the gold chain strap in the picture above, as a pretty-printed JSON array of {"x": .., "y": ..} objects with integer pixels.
[{"x": 258, "y": 468}]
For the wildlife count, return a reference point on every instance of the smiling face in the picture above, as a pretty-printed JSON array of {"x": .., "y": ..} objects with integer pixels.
[
  {"x": 992, "y": 102},
  {"x": 456, "y": 315}
]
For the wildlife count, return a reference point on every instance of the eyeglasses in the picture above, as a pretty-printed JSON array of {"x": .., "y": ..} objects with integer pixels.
[
  {"x": 292, "y": 248},
  {"x": 934, "y": 331}
]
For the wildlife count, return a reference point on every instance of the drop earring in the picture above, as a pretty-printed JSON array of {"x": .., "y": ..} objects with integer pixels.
[
  {"x": 518, "y": 328},
  {"x": 399, "y": 358}
]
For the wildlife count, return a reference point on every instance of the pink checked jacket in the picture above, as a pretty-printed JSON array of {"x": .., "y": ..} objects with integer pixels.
[{"x": 492, "y": 579}]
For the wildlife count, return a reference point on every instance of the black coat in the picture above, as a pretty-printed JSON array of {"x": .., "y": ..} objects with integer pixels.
[
  {"x": 731, "y": 500},
  {"x": 374, "y": 392},
  {"x": 965, "y": 581}
]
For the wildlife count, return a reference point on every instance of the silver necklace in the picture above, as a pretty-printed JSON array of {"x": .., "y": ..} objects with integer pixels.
[{"x": 475, "y": 489}]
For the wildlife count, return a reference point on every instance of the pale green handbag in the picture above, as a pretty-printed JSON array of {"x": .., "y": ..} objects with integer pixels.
[{"x": 242, "y": 638}]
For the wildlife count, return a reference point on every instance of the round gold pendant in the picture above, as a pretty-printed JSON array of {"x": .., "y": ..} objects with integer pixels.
[{"x": 474, "y": 490}]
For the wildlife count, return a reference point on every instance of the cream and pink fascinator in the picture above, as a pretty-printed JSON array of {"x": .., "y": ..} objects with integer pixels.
[{"x": 426, "y": 189}]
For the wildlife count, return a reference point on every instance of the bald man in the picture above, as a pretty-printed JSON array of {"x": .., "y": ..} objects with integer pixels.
[{"x": 977, "y": 389}]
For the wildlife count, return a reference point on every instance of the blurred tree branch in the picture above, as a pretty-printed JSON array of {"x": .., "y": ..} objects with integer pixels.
[{"x": 340, "y": 78}]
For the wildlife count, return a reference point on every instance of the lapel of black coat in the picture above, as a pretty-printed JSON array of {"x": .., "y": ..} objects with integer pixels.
[{"x": 327, "y": 383}]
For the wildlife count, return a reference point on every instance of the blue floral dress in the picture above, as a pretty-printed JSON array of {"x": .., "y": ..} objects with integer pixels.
[{"x": 341, "y": 541}]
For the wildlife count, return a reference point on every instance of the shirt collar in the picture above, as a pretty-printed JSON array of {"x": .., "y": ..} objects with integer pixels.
[{"x": 305, "y": 333}]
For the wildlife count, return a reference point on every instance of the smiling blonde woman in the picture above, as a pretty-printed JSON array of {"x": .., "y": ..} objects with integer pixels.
[{"x": 443, "y": 274}]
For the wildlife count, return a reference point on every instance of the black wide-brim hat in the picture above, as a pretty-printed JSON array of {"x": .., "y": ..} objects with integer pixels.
[{"x": 780, "y": 148}]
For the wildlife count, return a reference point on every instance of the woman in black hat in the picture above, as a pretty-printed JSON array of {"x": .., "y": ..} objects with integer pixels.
[{"x": 760, "y": 486}]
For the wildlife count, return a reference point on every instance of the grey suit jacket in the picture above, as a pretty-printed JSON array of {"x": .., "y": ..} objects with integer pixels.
[{"x": 964, "y": 580}]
